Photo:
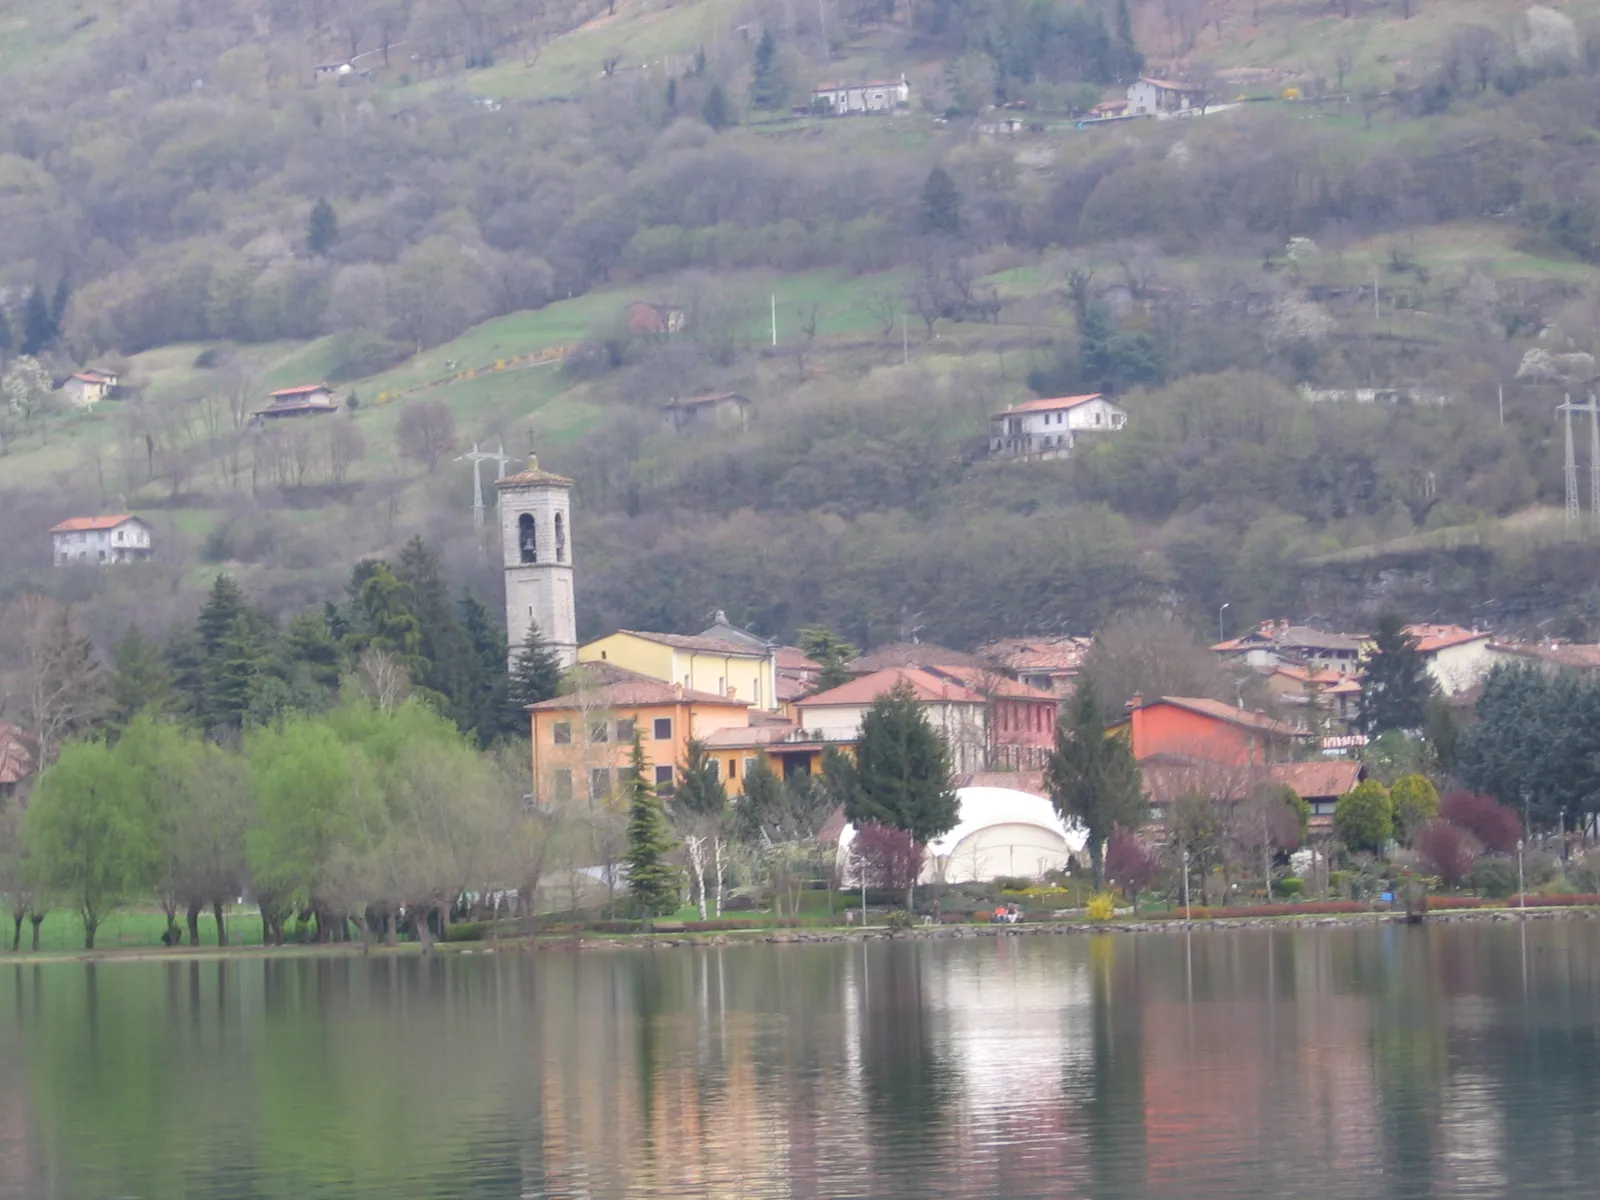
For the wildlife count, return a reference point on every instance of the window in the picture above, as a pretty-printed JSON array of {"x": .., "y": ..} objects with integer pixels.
[
  {"x": 625, "y": 728},
  {"x": 599, "y": 783},
  {"x": 664, "y": 777},
  {"x": 663, "y": 729},
  {"x": 561, "y": 733},
  {"x": 527, "y": 539},
  {"x": 598, "y": 732},
  {"x": 562, "y": 784},
  {"x": 561, "y": 540},
  {"x": 733, "y": 768}
]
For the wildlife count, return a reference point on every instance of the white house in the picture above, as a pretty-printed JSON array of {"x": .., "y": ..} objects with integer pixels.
[
  {"x": 86, "y": 388},
  {"x": 955, "y": 711},
  {"x": 113, "y": 539},
  {"x": 841, "y": 98},
  {"x": 1162, "y": 98},
  {"x": 1046, "y": 428},
  {"x": 1457, "y": 658}
]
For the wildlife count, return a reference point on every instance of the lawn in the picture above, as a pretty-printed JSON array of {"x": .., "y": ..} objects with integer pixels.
[{"x": 137, "y": 927}]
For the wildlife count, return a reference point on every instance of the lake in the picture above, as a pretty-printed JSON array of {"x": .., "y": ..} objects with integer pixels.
[{"x": 1388, "y": 1061}]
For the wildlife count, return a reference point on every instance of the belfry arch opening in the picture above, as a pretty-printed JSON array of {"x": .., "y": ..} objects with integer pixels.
[
  {"x": 561, "y": 539},
  {"x": 527, "y": 539}
]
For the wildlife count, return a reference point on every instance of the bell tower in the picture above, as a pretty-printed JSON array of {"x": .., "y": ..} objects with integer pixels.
[{"x": 536, "y": 547}]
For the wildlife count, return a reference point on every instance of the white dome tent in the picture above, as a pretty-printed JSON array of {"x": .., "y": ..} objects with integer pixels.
[{"x": 1000, "y": 831}]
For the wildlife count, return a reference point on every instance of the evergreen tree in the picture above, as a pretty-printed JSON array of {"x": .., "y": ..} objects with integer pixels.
[
  {"x": 766, "y": 88},
  {"x": 446, "y": 665},
  {"x": 1395, "y": 684},
  {"x": 224, "y": 605},
  {"x": 1363, "y": 818},
  {"x": 822, "y": 645},
  {"x": 902, "y": 772},
  {"x": 38, "y": 331},
  {"x": 760, "y": 809},
  {"x": 232, "y": 674},
  {"x": 58, "y": 306},
  {"x": 536, "y": 675},
  {"x": 700, "y": 791},
  {"x": 941, "y": 205},
  {"x": 322, "y": 229},
  {"x": 185, "y": 662},
  {"x": 486, "y": 710},
  {"x": 382, "y": 617},
  {"x": 141, "y": 679},
  {"x": 313, "y": 651},
  {"x": 652, "y": 879},
  {"x": 1093, "y": 779},
  {"x": 1129, "y": 61},
  {"x": 717, "y": 112}
]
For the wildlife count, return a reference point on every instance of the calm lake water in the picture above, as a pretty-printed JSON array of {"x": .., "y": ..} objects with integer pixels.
[{"x": 1454, "y": 1061}]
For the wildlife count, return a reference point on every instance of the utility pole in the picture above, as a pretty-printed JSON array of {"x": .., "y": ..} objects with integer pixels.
[
  {"x": 475, "y": 457},
  {"x": 1502, "y": 391},
  {"x": 1574, "y": 508},
  {"x": 774, "y": 318},
  {"x": 1570, "y": 471}
]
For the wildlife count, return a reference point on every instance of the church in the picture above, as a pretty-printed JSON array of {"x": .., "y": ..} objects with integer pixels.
[{"x": 536, "y": 548}]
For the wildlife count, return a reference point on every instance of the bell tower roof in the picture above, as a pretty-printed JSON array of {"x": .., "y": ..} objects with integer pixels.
[{"x": 534, "y": 476}]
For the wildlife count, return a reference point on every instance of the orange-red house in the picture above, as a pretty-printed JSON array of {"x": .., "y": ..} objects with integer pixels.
[{"x": 1184, "y": 727}]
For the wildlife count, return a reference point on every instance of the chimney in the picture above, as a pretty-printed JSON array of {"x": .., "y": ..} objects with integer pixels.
[{"x": 1136, "y": 701}]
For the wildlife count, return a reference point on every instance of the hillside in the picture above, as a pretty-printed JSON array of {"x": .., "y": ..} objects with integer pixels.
[{"x": 505, "y": 179}]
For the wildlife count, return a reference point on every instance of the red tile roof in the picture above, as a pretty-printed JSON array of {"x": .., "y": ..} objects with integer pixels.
[
  {"x": 608, "y": 686},
  {"x": 1233, "y": 715},
  {"x": 987, "y": 683},
  {"x": 792, "y": 658},
  {"x": 864, "y": 689},
  {"x": 534, "y": 475},
  {"x": 85, "y": 524},
  {"x": 1055, "y": 404},
  {"x": 90, "y": 375},
  {"x": 911, "y": 654},
  {"x": 752, "y": 736},
  {"x": 1328, "y": 681},
  {"x": 1317, "y": 779},
  {"x": 1170, "y": 86},
  {"x": 1433, "y": 638},
  {"x": 16, "y": 759},
  {"x": 1061, "y": 654},
  {"x": 304, "y": 389}
]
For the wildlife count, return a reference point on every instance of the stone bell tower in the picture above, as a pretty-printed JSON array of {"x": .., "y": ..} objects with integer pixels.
[{"x": 536, "y": 547}]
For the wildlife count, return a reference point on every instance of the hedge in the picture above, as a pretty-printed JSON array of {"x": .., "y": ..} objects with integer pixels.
[
  {"x": 1312, "y": 908},
  {"x": 1569, "y": 900}
]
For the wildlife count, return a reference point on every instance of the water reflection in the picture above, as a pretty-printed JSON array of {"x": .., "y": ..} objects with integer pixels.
[{"x": 1440, "y": 1062}]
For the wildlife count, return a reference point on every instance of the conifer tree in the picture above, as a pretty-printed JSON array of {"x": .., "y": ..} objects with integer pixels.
[
  {"x": 700, "y": 791},
  {"x": 446, "y": 665},
  {"x": 821, "y": 644},
  {"x": 1395, "y": 684},
  {"x": 1093, "y": 779},
  {"x": 58, "y": 306},
  {"x": 232, "y": 673},
  {"x": 322, "y": 228},
  {"x": 141, "y": 679},
  {"x": 38, "y": 331},
  {"x": 717, "y": 112},
  {"x": 652, "y": 879},
  {"x": 941, "y": 205},
  {"x": 766, "y": 89},
  {"x": 536, "y": 674},
  {"x": 224, "y": 604},
  {"x": 902, "y": 772},
  {"x": 485, "y": 708}
]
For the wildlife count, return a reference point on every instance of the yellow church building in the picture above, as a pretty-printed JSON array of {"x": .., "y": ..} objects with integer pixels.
[{"x": 696, "y": 663}]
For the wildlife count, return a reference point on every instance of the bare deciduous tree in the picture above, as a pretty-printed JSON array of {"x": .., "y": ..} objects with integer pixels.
[{"x": 427, "y": 431}]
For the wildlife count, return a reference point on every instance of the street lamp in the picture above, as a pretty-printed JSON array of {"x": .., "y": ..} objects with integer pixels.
[
  {"x": 1522, "y": 891},
  {"x": 1225, "y": 607},
  {"x": 1185, "y": 885}
]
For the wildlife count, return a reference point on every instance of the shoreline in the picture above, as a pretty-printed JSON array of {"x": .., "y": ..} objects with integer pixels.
[{"x": 682, "y": 940}]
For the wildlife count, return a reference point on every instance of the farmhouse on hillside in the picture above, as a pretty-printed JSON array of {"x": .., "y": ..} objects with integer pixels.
[
  {"x": 1047, "y": 428},
  {"x": 110, "y": 539},
  {"x": 86, "y": 388},
  {"x": 656, "y": 320},
  {"x": 726, "y": 411},
  {"x": 307, "y": 400},
  {"x": 840, "y": 99},
  {"x": 1163, "y": 98}
]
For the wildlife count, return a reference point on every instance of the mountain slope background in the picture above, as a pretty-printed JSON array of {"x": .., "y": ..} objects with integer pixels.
[{"x": 507, "y": 176}]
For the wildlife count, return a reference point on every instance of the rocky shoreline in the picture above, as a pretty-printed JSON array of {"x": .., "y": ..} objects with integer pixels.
[{"x": 1057, "y": 928}]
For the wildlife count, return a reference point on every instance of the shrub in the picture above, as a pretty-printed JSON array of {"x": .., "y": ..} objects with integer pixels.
[
  {"x": 1102, "y": 906},
  {"x": 1131, "y": 861},
  {"x": 900, "y": 919},
  {"x": 1446, "y": 903},
  {"x": 1569, "y": 900},
  {"x": 1493, "y": 877},
  {"x": 1415, "y": 802},
  {"x": 206, "y": 359},
  {"x": 1446, "y": 850},
  {"x": 1364, "y": 817},
  {"x": 615, "y": 926},
  {"x": 890, "y": 857},
  {"x": 1311, "y": 908},
  {"x": 1485, "y": 818},
  {"x": 1012, "y": 883},
  {"x": 1289, "y": 886},
  {"x": 466, "y": 931}
]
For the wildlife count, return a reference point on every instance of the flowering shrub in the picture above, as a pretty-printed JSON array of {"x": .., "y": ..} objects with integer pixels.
[
  {"x": 1446, "y": 903},
  {"x": 1102, "y": 907}
]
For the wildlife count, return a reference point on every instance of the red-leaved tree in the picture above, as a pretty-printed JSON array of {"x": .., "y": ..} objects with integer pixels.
[
  {"x": 890, "y": 858},
  {"x": 1495, "y": 825},
  {"x": 1446, "y": 850},
  {"x": 1131, "y": 862}
]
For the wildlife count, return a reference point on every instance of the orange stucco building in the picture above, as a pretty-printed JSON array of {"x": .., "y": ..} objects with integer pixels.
[{"x": 1183, "y": 727}]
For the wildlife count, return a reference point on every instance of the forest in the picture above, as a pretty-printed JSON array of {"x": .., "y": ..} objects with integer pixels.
[{"x": 224, "y": 209}]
